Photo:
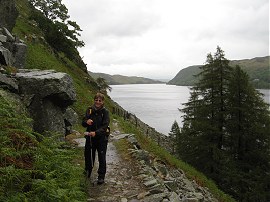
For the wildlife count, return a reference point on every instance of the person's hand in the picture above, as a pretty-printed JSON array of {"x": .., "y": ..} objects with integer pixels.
[
  {"x": 92, "y": 134},
  {"x": 89, "y": 122}
]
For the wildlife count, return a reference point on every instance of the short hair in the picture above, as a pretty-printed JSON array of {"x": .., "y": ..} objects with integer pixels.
[{"x": 99, "y": 95}]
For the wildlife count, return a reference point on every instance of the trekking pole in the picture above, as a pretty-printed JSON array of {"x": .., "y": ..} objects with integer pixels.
[
  {"x": 91, "y": 153},
  {"x": 92, "y": 162}
]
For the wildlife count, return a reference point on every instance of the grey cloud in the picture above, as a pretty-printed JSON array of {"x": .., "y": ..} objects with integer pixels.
[
  {"x": 131, "y": 36},
  {"x": 121, "y": 26},
  {"x": 118, "y": 19}
]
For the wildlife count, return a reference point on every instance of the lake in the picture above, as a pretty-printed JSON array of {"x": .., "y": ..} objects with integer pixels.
[{"x": 155, "y": 104}]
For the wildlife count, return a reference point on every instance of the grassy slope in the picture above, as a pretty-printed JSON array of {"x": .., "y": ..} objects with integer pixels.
[
  {"x": 33, "y": 167},
  {"x": 47, "y": 176}
]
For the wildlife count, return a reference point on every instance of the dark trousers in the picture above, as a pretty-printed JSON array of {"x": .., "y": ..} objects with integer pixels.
[{"x": 91, "y": 146}]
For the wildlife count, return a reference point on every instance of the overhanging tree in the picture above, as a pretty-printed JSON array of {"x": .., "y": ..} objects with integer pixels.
[
  {"x": 60, "y": 32},
  {"x": 57, "y": 12},
  {"x": 102, "y": 85}
]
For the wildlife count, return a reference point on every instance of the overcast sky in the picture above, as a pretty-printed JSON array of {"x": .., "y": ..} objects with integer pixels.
[{"x": 158, "y": 38}]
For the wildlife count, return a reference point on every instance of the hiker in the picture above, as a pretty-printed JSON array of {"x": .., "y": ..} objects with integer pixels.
[{"x": 96, "y": 121}]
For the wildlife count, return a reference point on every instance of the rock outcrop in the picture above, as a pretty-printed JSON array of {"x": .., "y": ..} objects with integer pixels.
[
  {"x": 47, "y": 95},
  {"x": 8, "y": 13},
  {"x": 8, "y": 83},
  {"x": 12, "y": 49}
]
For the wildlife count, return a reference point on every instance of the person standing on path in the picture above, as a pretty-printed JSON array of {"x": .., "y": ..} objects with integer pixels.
[{"x": 96, "y": 121}]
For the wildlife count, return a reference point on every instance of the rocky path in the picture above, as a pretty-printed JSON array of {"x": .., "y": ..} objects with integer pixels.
[
  {"x": 121, "y": 182},
  {"x": 142, "y": 178}
]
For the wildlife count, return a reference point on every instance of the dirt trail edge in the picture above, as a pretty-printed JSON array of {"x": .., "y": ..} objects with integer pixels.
[{"x": 143, "y": 178}]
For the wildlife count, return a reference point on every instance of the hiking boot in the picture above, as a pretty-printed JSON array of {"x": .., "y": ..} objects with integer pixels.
[{"x": 100, "y": 180}]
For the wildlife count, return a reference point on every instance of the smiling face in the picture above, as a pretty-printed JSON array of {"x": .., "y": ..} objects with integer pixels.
[
  {"x": 98, "y": 103},
  {"x": 99, "y": 100}
]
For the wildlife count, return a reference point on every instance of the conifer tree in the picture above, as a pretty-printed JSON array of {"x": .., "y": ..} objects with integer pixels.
[
  {"x": 225, "y": 131},
  {"x": 205, "y": 114},
  {"x": 248, "y": 126},
  {"x": 191, "y": 132},
  {"x": 174, "y": 135}
]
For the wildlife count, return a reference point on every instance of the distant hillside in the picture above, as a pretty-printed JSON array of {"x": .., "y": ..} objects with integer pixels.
[
  {"x": 257, "y": 68},
  {"x": 185, "y": 77},
  {"x": 119, "y": 79}
]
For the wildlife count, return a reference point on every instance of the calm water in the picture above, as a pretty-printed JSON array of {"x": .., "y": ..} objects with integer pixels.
[{"x": 155, "y": 104}]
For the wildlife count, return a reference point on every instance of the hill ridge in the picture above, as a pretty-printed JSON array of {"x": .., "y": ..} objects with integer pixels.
[
  {"x": 257, "y": 68},
  {"x": 118, "y": 79}
]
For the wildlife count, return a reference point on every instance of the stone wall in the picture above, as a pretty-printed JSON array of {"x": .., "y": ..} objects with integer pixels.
[{"x": 161, "y": 139}]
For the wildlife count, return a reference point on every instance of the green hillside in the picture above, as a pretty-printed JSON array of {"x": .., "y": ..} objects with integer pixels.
[
  {"x": 41, "y": 55},
  {"x": 185, "y": 77},
  {"x": 119, "y": 79},
  {"x": 257, "y": 68}
]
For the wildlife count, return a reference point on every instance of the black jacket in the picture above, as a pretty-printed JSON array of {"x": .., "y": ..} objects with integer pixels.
[{"x": 101, "y": 121}]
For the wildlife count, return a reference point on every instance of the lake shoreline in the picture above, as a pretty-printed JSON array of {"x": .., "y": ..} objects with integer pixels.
[{"x": 156, "y": 104}]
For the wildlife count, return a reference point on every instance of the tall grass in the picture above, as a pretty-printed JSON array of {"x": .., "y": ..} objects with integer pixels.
[{"x": 33, "y": 167}]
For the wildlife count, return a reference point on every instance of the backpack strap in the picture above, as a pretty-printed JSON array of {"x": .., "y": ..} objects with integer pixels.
[{"x": 108, "y": 130}]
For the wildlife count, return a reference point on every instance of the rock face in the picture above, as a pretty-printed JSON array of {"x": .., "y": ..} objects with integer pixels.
[
  {"x": 8, "y": 13},
  {"x": 47, "y": 95},
  {"x": 12, "y": 49},
  {"x": 7, "y": 83}
]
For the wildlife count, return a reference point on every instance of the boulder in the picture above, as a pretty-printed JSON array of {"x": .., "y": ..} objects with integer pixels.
[
  {"x": 19, "y": 50},
  {"x": 47, "y": 95},
  {"x": 70, "y": 118}
]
